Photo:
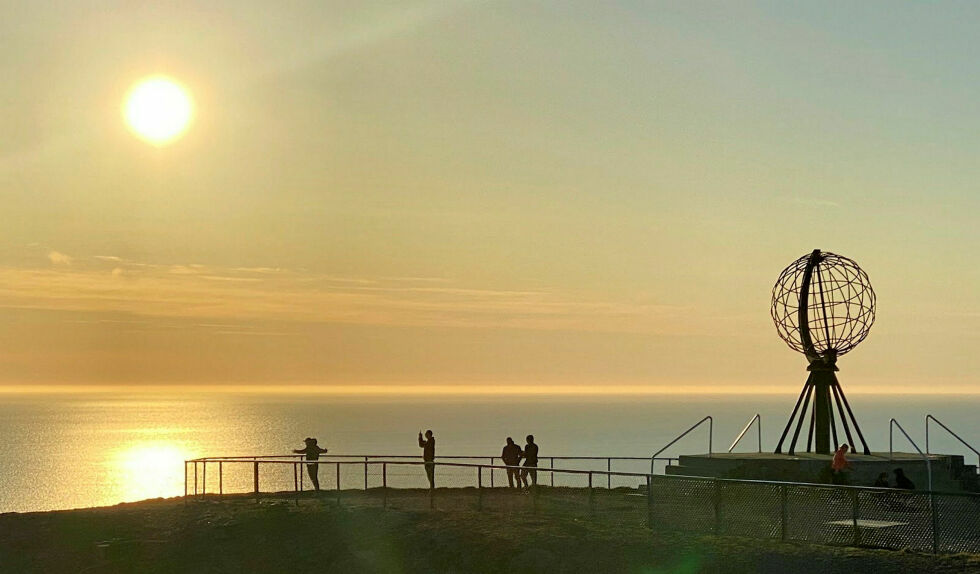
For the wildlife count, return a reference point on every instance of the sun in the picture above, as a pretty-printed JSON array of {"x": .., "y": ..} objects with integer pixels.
[{"x": 158, "y": 110}]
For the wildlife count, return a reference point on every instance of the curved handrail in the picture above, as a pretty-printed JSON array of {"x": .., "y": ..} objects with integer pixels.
[
  {"x": 956, "y": 436},
  {"x": 396, "y": 456},
  {"x": 891, "y": 454},
  {"x": 756, "y": 418},
  {"x": 711, "y": 424}
]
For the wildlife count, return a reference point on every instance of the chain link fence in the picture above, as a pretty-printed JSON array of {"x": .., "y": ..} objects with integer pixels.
[{"x": 820, "y": 514}]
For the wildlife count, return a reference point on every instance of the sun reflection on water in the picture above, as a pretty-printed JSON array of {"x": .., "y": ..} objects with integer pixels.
[{"x": 150, "y": 470}]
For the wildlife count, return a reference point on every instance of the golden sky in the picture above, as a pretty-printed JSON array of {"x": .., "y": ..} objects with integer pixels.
[{"x": 475, "y": 193}]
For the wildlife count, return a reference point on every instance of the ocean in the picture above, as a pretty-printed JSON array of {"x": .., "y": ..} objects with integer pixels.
[{"x": 82, "y": 450}]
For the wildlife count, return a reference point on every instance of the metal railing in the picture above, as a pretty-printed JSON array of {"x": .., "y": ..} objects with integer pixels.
[
  {"x": 711, "y": 432},
  {"x": 469, "y": 481},
  {"x": 756, "y": 419},
  {"x": 891, "y": 452},
  {"x": 364, "y": 461},
  {"x": 956, "y": 436}
]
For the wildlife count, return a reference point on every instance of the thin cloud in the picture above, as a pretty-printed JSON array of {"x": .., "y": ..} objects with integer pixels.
[
  {"x": 215, "y": 295},
  {"x": 58, "y": 258},
  {"x": 814, "y": 202}
]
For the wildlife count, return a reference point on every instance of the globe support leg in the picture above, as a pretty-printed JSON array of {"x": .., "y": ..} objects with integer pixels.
[
  {"x": 847, "y": 405},
  {"x": 822, "y": 424},
  {"x": 789, "y": 424},
  {"x": 807, "y": 390}
]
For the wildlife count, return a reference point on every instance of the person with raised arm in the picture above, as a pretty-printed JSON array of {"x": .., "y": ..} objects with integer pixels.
[
  {"x": 428, "y": 446},
  {"x": 312, "y": 452}
]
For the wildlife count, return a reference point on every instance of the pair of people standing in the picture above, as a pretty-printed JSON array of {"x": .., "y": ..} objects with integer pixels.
[{"x": 512, "y": 455}]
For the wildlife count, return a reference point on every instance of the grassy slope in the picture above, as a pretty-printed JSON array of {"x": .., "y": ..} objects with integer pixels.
[{"x": 317, "y": 536}]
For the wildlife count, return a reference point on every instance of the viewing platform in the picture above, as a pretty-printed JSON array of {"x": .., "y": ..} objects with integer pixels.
[{"x": 949, "y": 472}]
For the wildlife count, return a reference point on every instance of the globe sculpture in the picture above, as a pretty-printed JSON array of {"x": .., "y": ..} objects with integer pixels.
[{"x": 823, "y": 307}]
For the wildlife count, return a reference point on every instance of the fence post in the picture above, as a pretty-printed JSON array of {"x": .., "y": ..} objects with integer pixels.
[
  {"x": 552, "y": 471},
  {"x": 204, "y": 480},
  {"x": 295, "y": 477},
  {"x": 591, "y": 494},
  {"x": 491, "y": 472},
  {"x": 479, "y": 487},
  {"x": 255, "y": 479},
  {"x": 717, "y": 500},
  {"x": 609, "y": 476},
  {"x": 649, "y": 501},
  {"x": 185, "y": 479},
  {"x": 384, "y": 485},
  {"x": 195, "y": 478},
  {"x": 221, "y": 478},
  {"x": 935, "y": 523},
  {"x": 784, "y": 513},
  {"x": 855, "y": 510},
  {"x": 338, "y": 482},
  {"x": 365, "y": 472}
]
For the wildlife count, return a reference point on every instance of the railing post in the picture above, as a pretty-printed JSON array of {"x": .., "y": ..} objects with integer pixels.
[
  {"x": 384, "y": 484},
  {"x": 609, "y": 476},
  {"x": 338, "y": 482},
  {"x": 649, "y": 501},
  {"x": 591, "y": 494},
  {"x": 479, "y": 487},
  {"x": 255, "y": 478},
  {"x": 365, "y": 473},
  {"x": 195, "y": 478},
  {"x": 855, "y": 510},
  {"x": 784, "y": 512},
  {"x": 185, "y": 479},
  {"x": 552, "y": 471},
  {"x": 204, "y": 480},
  {"x": 491, "y": 472},
  {"x": 935, "y": 523},
  {"x": 221, "y": 478},
  {"x": 295, "y": 477}
]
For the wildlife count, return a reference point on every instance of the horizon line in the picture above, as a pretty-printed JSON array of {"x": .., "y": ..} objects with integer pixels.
[{"x": 465, "y": 390}]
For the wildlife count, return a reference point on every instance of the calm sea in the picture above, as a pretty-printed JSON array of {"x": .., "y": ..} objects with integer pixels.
[{"x": 100, "y": 449}]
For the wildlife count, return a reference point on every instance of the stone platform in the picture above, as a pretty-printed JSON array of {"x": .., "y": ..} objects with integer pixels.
[{"x": 949, "y": 473}]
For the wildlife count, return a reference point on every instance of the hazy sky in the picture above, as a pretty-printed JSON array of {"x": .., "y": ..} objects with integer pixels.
[{"x": 588, "y": 193}]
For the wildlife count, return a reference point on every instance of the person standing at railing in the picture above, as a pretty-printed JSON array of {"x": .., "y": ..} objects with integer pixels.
[
  {"x": 511, "y": 455},
  {"x": 530, "y": 455},
  {"x": 840, "y": 465},
  {"x": 428, "y": 446},
  {"x": 312, "y": 452}
]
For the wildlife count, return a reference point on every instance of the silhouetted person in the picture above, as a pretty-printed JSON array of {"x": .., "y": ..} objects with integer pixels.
[
  {"x": 511, "y": 456},
  {"x": 312, "y": 452},
  {"x": 882, "y": 481},
  {"x": 902, "y": 481},
  {"x": 530, "y": 461},
  {"x": 428, "y": 446}
]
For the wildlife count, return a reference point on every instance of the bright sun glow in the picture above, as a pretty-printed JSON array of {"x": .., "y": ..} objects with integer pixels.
[
  {"x": 158, "y": 110},
  {"x": 149, "y": 470}
]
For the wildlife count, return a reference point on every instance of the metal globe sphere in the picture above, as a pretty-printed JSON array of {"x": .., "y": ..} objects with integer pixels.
[{"x": 823, "y": 305}]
